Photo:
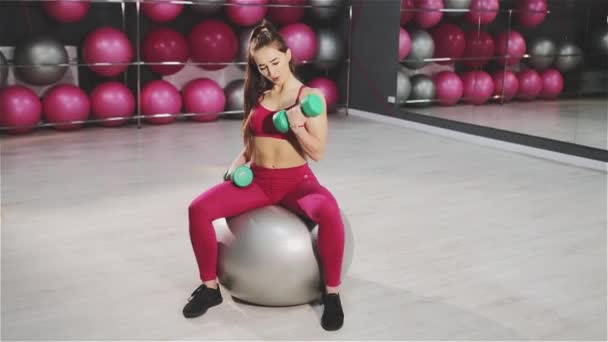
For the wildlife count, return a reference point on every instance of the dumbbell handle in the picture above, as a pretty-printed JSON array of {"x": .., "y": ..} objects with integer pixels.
[
  {"x": 311, "y": 106},
  {"x": 242, "y": 176}
]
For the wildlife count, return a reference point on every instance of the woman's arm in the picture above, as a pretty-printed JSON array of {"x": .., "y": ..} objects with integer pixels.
[
  {"x": 310, "y": 132},
  {"x": 241, "y": 158}
]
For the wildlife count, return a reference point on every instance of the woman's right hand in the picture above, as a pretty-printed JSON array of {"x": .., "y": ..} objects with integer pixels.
[
  {"x": 239, "y": 161},
  {"x": 229, "y": 172},
  {"x": 227, "y": 175},
  {"x": 241, "y": 176}
]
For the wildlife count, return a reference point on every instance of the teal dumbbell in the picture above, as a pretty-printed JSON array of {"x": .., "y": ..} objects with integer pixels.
[
  {"x": 311, "y": 106},
  {"x": 242, "y": 176}
]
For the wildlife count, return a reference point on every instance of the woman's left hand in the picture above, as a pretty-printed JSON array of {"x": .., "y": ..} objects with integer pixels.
[{"x": 295, "y": 117}]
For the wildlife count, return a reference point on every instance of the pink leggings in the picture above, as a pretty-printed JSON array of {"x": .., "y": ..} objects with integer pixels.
[{"x": 296, "y": 189}]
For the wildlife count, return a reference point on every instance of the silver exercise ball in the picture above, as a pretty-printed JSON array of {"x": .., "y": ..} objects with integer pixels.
[
  {"x": 235, "y": 97},
  {"x": 570, "y": 56},
  {"x": 244, "y": 47},
  {"x": 325, "y": 9},
  {"x": 460, "y": 5},
  {"x": 331, "y": 49},
  {"x": 542, "y": 53},
  {"x": 423, "y": 47},
  {"x": 269, "y": 257},
  {"x": 404, "y": 87},
  {"x": 40, "y": 50},
  {"x": 3, "y": 70},
  {"x": 423, "y": 88},
  {"x": 207, "y": 7}
]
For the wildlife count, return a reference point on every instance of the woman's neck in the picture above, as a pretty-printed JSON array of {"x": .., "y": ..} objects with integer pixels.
[{"x": 290, "y": 83}]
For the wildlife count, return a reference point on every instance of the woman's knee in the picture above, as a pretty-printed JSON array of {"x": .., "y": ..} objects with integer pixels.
[
  {"x": 330, "y": 209},
  {"x": 200, "y": 209}
]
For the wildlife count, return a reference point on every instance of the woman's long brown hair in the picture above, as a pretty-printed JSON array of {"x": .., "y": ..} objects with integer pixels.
[{"x": 255, "y": 83}]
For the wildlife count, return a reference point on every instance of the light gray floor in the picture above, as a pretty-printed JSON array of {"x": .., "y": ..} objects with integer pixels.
[
  {"x": 579, "y": 121},
  {"x": 452, "y": 240}
]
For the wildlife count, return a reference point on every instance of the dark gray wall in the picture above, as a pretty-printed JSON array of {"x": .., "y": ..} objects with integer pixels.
[{"x": 375, "y": 51}]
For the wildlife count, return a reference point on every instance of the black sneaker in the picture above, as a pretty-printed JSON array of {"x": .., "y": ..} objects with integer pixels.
[
  {"x": 202, "y": 299},
  {"x": 333, "y": 316}
]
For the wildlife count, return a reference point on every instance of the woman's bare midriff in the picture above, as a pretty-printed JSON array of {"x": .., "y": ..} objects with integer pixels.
[{"x": 276, "y": 153}]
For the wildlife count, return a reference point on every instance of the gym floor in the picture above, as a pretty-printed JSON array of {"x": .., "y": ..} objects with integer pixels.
[{"x": 452, "y": 240}]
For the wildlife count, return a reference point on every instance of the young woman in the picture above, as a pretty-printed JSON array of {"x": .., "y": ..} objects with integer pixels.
[{"x": 281, "y": 173}]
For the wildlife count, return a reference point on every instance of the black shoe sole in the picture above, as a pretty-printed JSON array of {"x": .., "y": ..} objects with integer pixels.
[{"x": 332, "y": 328}]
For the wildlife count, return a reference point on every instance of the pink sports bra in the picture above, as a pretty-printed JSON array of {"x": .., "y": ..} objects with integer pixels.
[{"x": 261, "y": 121}]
